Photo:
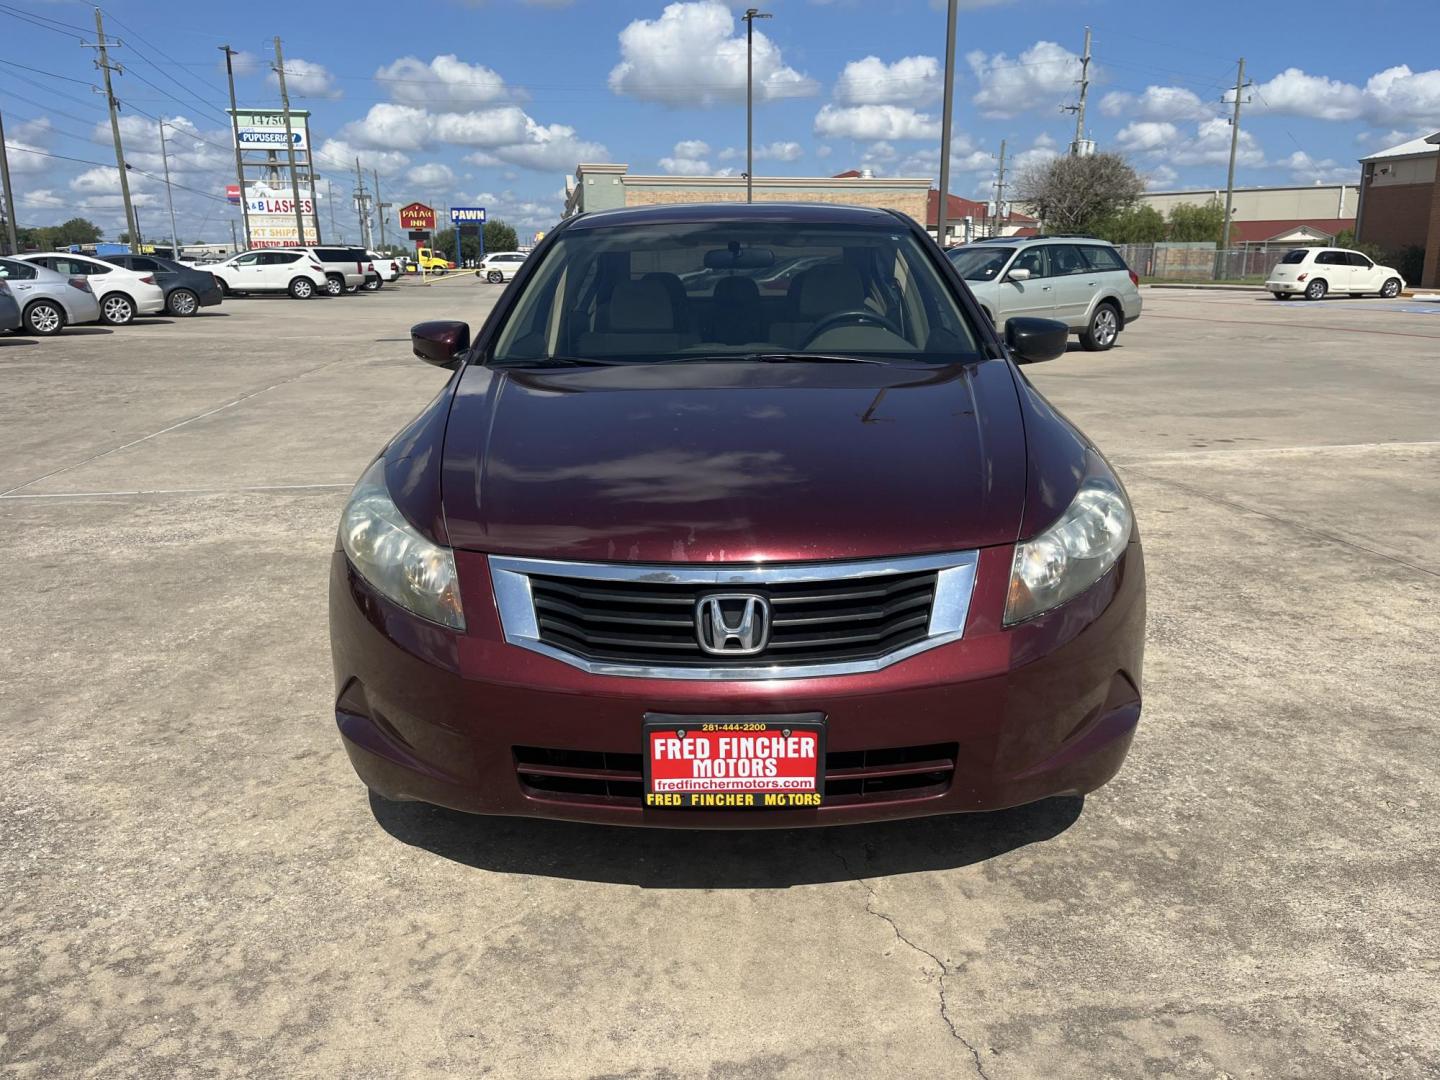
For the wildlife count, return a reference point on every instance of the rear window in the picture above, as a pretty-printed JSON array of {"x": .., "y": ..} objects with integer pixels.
[
  {"x": 1296, "y": 256},
  {"x": 1102, "y": 258}
]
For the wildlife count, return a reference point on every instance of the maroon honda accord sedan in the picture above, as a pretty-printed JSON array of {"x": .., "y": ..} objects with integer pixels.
[{"x": 737, "y": 516}]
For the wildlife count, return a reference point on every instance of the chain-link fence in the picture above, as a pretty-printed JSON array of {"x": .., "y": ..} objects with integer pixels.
[{"x": 1203, "y": 262}]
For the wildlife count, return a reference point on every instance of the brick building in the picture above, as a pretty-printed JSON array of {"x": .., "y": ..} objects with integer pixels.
[
  {"x": 610, "y": 186},
  {"x": 1400, "y": 201}
]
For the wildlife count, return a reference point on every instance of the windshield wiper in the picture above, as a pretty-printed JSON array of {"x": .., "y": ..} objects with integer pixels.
[
  {"x": 811, "y": 358},
  {"x": 558, "y": 361}
]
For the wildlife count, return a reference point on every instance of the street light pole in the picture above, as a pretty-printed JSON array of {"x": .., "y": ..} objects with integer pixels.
[
  {"x": 943, "y": 203},
  {"x": 169, "y": 198},
  {"x": 751, "y": 14}
]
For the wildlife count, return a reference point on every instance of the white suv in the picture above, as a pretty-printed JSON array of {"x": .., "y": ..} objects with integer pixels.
[
  {"x": 502, "y": 266},
  {"x": 272, "y": 270},
  {"x": 1314, "y": 272},
  {"x": 122, "y": 293}
]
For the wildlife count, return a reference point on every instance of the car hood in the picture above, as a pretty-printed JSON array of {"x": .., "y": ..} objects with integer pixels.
[{"x": 733, "y": 462}]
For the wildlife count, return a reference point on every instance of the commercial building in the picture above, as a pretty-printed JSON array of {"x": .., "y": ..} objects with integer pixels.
[
  {"x": 1278, "y": 215},
  {"x": 1400, "y": 201},
  {"x": 609, "y": 186},
  {"x": 971, "y": 219}
]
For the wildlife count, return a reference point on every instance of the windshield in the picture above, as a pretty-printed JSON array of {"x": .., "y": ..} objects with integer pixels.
[
  {"x": 980, "y": 263},
  {"x": 717, "y": 290}
]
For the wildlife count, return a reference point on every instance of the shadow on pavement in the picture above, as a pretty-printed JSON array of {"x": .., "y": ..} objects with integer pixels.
[
  {"x": 721, "y": 859},
  {"x": 147, "y": 320},
  {"x": 8, "y": 340}
]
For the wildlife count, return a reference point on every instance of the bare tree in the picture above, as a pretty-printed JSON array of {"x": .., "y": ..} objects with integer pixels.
[{"x": 1077, "y": 194}]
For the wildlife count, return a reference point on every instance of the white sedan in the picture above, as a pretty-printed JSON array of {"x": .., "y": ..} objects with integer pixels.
[
  {"x": 501, "y": 266},
  {"x": 122, "y": 293},
  {"x": 1313, "y": 272}
]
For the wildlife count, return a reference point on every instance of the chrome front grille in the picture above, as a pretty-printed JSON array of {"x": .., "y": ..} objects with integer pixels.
[{"x": 820, "y": 618}]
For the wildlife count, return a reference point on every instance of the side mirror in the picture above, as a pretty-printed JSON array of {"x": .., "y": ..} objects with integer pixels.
[
  {"x": 1034, "y": 340},
  {"x": 441, "y": 342},
  {"x": 1018, "y": 274}
]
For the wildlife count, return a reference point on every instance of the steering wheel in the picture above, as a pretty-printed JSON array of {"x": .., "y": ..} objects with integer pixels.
[{"x": 852, "y": 317}]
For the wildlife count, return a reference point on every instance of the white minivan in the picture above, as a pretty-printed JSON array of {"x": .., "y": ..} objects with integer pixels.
[
  {"x": 1313, "y": 272},
  {"x": 269, "y": 271},
  {"x": 122, "y": 293}
]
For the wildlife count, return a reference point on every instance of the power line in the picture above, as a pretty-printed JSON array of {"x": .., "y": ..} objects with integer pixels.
[
  {"x": 48, "y": 74},
  {"x": 44, "y": 22}
]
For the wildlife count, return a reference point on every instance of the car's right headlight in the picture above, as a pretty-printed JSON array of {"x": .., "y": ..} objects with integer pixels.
[
  {"x": 1075, "y": 552},
  {"x": 401, "y": 564}
]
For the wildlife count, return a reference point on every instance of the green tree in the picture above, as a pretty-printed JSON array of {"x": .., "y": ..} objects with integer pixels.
[
  {"x": 500, "y": 237},
  {"x": 1345, "y": 238},
  {"x": 1133, "y": 225},
  {"x": 1079, "y": 194},
  {"x": 1191, "y": 223}
]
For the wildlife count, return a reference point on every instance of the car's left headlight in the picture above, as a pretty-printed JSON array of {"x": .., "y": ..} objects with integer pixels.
[
  {"x": 401, "y": 564},
  {"x": 1075, "y": 552}
]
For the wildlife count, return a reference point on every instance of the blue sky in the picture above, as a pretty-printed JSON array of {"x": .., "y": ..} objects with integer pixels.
[{"x": 492, "y": 102}]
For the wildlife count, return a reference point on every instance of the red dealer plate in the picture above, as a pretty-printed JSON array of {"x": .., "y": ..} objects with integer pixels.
[{"x": 734, "y": 762}]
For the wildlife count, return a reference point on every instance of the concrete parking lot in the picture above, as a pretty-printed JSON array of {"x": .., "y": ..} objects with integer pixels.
[{"x": 193, "y": 883}]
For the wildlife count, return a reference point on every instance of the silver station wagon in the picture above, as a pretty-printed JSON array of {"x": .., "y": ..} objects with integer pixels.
[{"x": 1082, "y": 282}]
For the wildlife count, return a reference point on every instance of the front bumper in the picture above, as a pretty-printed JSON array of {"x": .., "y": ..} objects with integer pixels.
[{"x": 1010, "y": 716}]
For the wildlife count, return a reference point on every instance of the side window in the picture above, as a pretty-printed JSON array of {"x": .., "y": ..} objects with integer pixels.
[
  {"x": 1065, "y": 259},
  {"x": 1331, "y": 258},
  {"x": 1034, "y": 260},
  {"x": 1356, "y": 259},
  {"x": 16, "y": 271},
  {"x": 1102, "y": 258},
  {"x": 251, "y": 259},
  {"x": 284, "y": 258},
  {"x": 149, "y": 266}
]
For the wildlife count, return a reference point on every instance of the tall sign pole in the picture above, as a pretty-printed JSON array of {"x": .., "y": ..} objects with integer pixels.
[
  {"x": 290, "y": 145},
  {"x": 103, "y": 63},
  {"x": 9, "y": 193},
  {"x": 235, "y": 132},
  {"x": 946, "y": 119},
  {"x": 751, "y": 14}
]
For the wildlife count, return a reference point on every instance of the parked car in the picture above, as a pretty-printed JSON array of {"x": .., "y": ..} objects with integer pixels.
[
  {"x": 1084, "y": 283},
  {"x": 123, "y": 294},
  {"x": 9, "y": 309},
  {"x": 502, "y": 266},
  {"x": 345, "y": 268},
  {"x": 49, "y": 301},
  {"x": 187, "y": 289},
  {"x": 387, "y": 268},
  {"x": 1314, "y": 272},
  {"x": 728, "y": 560},
  {"x": 269, "y": 271},
  {"x": 433, "y": 261}
]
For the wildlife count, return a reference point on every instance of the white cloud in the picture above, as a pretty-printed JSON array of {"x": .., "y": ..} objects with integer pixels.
[
  {"x": 870, "y": 123},
  {"x": 23, "y": 141},
  {"x": 775, "y": 151},
  {"x": 39, "y": 198},
  {"x": 340, "y": 154},
  {"x": 188, "y": 149},
  {"x": 692, "y": 55},
  {"x": 305, "y": 78},
  {"x": 388, "y": 126},
  {"x": 1211, "y": 146},
  {"x": 1147, "y": 135},
  {"x": 688, "y": 159},
  {"x": 1394, "y": 96},
  {"x": 1156, "y": 103},
  {"x": 243, "y": 63},
  {"x": 1305, "y": 169},
  {"x": 1040, "y": 77},
  {"x": 822, "y": 151},
  {"x": 431, "y": 176},
  {"x": 446, "y": 82},
  {"x": 965, "y": 157},
  {"x": 1160, "y": 177},
  {"x": 913, "y": 80},
  {"x": 506, "y": 132},
  {"x": 1039, "y": 152}
]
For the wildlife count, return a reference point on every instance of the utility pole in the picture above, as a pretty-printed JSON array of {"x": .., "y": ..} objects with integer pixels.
[
  {"x": 999, "y": 189},
  {"x": 1234, "y": 145},
  {"x": 751, "y": 14},
  {"x": 380, "y": 206},
  {"x": 946, "y": 119},
  {"x": 1080, "y": 147},
  {"x": 103, "y": 63},
  {"x": 235, "y": 131},
  {"x": 169, "y": 197},
  {"x": 330, "y": 201},
  {"x": 290, "y": 146},
  {"x": 9, "y": 193},
  {"x": 234, "y": 242},
  {"x": 360, "y": 208}
]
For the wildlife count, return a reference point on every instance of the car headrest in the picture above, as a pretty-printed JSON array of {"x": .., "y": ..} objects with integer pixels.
[
  {"x": 642, "y": 306},
  {"x": 736, "y": 291},
  {"x": 827, "y": 288}
]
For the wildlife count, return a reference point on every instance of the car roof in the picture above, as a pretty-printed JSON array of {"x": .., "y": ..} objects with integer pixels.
[{"x": 679, "y": 213}]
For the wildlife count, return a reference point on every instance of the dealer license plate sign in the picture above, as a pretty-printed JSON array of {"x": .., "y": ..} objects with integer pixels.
[{"x": 734, "y": 763}]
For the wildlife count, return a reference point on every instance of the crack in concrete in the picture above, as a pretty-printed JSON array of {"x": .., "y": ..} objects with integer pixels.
[{"x": 944, "y": 967}]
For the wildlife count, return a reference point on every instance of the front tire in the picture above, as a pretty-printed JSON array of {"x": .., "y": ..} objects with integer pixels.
[
  {"x": 1390, "y": 289},
  {"x": 495, "y": 277},
  {"x": 1316, "y": 290},
  {"x": 1104, "y": 328},
  {"x": 334, "y": 285},
  {"x": 117, "y": 309},
  {"x": 44, "y": 318},
  {"x": 302, "y": 288},
  {"x": 183, "y": 302}
]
